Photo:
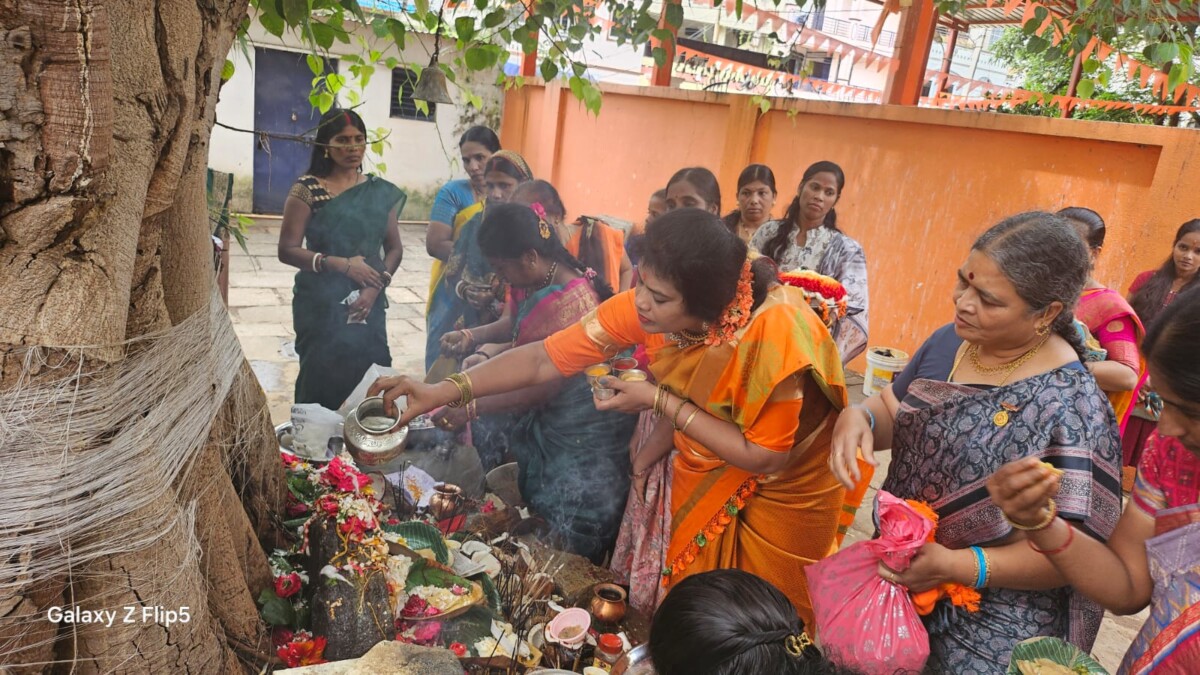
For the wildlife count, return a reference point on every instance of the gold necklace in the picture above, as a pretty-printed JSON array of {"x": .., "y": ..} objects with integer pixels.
[
  {"x": 688, "y": 338},
  {"x": 1007, "y": 368}
]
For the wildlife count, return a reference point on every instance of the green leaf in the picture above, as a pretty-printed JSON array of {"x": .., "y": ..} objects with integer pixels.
[
  {"x": 422, "y": 536},
  {"x": 422, "y": 7},
  {"x": 489, "y": 590},
  {"x": 379, "y": 27},
  {"x": 273, "y": 23},
  {"x": 295, "y": 12},
  {"x": 1037, "y": 45},
  {"x": 276, "y": 611},
  {"x": 315, "y": 64},
  {"x": 335, "y": 82},
  {"x": 464, "y": 28},
  {"x": 323, "y": 34},
  {"x": 494, "y": 18},
  {"x": 324, "y": 101},
  {"x": 578, "y": 68},
  {"x": 1084, "y": 88},
  {"x": 577, "y": 84},
  {"x": 397, "y": 31},
  {"x": 1090, "y": 66},
  {"x": 591, "y": 98},
  {"x": 549, "y": 70},
  {"x": 352, "y": 7},
  {"x": 660, "y": 56},
  {"x": 1176, "y": 77},
  {"x": 479, "y": 57},
  {"x": 578, "y": 31},
  {"x": 424, "y": 574},
  {"x": 227, "y": 70},
  {"x": 675, "y": 13},
  {"x": 1165, "y": 52}
]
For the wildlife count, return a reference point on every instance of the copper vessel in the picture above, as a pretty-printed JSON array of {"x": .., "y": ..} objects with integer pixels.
[
  {"x": 443, "y": 503},
  {"x": 608, "y": 603}
]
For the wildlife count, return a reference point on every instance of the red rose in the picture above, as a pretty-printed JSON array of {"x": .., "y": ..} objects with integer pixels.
[
  {"x": 459, "y": 649},
  {"x": 297, "y": 509},
  {"x": 280, "y": 636},
  {"x": 342, "y": 477},
  {"x": 303, "y": 653},
  {"x": 287, "y": 585},
  {"x": 328, "y": 504}
]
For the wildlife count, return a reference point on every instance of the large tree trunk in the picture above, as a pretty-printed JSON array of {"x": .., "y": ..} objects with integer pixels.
[{"x": 105, "y": 112}]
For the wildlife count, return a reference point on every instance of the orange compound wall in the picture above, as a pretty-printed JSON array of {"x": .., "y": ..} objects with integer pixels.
[{"x": 921, "y": 183}]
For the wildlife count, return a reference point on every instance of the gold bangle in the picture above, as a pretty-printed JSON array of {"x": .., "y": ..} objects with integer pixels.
[
  {"x": 987, "y": 567},
  {"x": 659, "y": 401},
  {"x": 465, "y": 391},
  {"x": 675, "y": 418},
  {"x": 1051, "y": 514},
  {"x": 688, "y": 421}
]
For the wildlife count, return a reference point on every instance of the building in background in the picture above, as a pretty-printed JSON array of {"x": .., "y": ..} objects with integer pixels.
[
  {"x": 770, "y": 38},
  {"x": 269, "y": 95}
]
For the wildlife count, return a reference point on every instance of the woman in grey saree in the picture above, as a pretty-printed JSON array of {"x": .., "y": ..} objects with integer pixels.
[{"x": 1001, "y": 383}]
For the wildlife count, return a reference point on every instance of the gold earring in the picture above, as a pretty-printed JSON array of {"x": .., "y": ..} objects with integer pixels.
[
  {"x": 1043, "y": 330},
  {"x": 326, "y": 153}
]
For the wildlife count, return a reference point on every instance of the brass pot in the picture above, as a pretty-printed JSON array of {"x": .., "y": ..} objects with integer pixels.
[
  {"x": 444, "y": 502},
  {"x": 608, "y": 603}
]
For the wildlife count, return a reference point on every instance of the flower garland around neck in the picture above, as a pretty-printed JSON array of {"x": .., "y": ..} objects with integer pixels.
[{"x": 737, "y": 314}]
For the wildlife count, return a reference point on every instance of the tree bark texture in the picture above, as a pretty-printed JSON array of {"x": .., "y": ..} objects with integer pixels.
[{"x": 105, "y": 112}]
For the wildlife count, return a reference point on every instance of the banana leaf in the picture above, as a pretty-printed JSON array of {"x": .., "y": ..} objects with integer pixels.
[
  {"x": 421, "y": 536},
  {"x": 1051, "y": 656}
]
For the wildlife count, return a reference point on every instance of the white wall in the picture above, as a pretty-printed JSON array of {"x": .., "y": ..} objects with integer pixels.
[{"x": 420, "y": 156}]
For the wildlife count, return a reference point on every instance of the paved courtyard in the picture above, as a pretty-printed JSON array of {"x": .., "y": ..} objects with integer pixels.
[{"x": 260, "y": 301}]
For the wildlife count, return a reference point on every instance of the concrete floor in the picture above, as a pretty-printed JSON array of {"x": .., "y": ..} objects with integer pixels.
[{"x": 260, "y": 296}]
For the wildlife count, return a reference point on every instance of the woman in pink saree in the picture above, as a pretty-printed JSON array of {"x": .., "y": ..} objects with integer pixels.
[
  {"x": 1153, "y": 557},
  {"x": 1114, "y": 324}
]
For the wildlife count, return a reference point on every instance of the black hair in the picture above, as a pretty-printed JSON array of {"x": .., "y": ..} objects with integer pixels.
[
  {"x": 1093, "y": 225},
  {"x": 1044, "y": 258},
  {"x": 1170, "y": 344},
  {"x": 754, "y": 173},
  {"x": 776, "y": 246},
  {"x": 692, "y": 249},
  {"x": 510, "y": 230},
  {"x": 481, "y": 135},
  {"x": 660, "y": 193},
  {"x": 730, "y": 622},
  {"x": 1149, "y": 299},
  {"x": 591, "y": 251},
  {"x": 703, "y": 180},
  {"x": 331, "y": 125},
  {"x": 506, "y": 166}
]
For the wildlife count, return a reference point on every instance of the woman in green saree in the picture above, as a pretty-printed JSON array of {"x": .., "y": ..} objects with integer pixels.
[{"x": 339, "y": 229}]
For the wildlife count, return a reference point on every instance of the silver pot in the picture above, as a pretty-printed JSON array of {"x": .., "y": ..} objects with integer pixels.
[{"x": 372, "y": 436}]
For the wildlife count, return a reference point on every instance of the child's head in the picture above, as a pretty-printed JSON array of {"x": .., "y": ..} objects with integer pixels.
[{"x": 730, "y": 622}]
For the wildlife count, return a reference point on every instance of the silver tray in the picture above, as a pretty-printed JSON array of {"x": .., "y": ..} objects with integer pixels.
[{"x": 635, "y": 662}]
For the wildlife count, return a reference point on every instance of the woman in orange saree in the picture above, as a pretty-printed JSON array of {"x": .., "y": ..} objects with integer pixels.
[{"x": 750, "y": 383}]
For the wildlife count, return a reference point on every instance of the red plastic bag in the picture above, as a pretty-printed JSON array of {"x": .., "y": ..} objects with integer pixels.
[{"x": 864, "y": 621}]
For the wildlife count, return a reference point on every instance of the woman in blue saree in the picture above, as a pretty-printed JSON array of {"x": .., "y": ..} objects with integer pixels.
[
  {"x": 469, "y": 293},
  {"x": 339, "y": 228},
  {"x": 573, "y": 458},
  {"x": 1003, "y": 382},
  {"x": 456, "y": 203}
]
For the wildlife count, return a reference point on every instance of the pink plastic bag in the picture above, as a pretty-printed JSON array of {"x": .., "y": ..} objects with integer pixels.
[{"x": 864, "y": 621}]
